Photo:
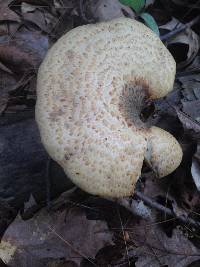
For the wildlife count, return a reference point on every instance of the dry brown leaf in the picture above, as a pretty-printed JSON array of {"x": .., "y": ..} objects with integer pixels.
[
  {"x": 187, "y": 3},
  {"x": 36, "y": 17},
  {"x": 52, "y": 22},
  {"x": 195, "y": 64},
  {"x": 49, "y": 237},
  {"x": 192, "y": 108},
  {"x": 153, "y": 248},
  {"x": 190, "y": 85},
  {"x": 7, "y": 82},
  {"x": 25, "y": 7},
  {"x": 64, "y": 4},
  {"x": 39, "y": 15},
  {"x": 188, "y": 122},
  {"x": 190, "y": 117},
  {"x": 103, "y": 10},
  {"x": 36, "y": 2},
  {"x": 24, "y": 51},
  {"x": 186, "y": 41},
  {"x": 6, "y": 13},
  {"x": 195, "y": 171},
  {"x": 171, "y": 25},
  {"x": 8, "y": 29}
]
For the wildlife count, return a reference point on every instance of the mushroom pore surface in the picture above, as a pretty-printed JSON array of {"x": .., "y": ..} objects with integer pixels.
[{"x": 91, "y": 88}]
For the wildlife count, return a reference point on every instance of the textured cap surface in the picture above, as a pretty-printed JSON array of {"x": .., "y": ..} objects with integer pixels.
[
  {"x": 164, "y": 152},
  {"x": 90, "y": 90}
]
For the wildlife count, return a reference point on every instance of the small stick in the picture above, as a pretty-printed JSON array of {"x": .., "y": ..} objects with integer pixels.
[
  {"x": 168, "y": 35},
  {"x": 165, "y": 210}
]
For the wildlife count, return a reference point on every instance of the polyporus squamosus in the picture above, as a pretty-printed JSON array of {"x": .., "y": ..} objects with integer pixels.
[{"x": 91, "y": 89}]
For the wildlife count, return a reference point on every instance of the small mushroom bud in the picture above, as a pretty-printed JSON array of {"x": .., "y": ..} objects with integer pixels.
[{"x": 91, "y": 88}]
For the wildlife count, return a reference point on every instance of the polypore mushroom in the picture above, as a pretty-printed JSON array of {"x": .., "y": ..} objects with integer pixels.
[{"x": 91, "y": 89}]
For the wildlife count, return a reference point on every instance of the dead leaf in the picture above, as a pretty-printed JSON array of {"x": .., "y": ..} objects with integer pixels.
[
  {"x": 171, "y": 25},
  {"x": 51, "y": 21},
  {"x": 7, "y": 82},
  {"x": 195, "y": 171},
  {"x": 25, "y": 7},
  {"x": 188, "y": 122},
  {"x": 23, "y": 52},
  {"x": 36, "y": 14},
  {"x": 103, "y": 10},
  {"x": 191, "y": 92},
  {"x": 187, "y": 3},
  {"x": 49, "y": 237},
  {"x": 64, "y": 4},
  {"x": 57, "y": 26},
  {"x": 192, "y": 108},
  {"x": 195, "y": 64},
  {"x": 149, "y": 2},
  {"x": 36, "y": 2},
  {"x": 190, "y": 85},
  {"x": 193, "y": 77},
  {"x": 8, "y": 29},
  {"x": 154, "y": 248},
  {"x": 183, "y": 46},
  {"x": 62, "y": 263},
  {"x": 6, "y": 13},
  {"x": 36, "y": 17}
]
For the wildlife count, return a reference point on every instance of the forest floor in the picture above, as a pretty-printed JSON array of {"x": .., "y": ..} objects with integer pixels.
[{"x": 44, "y": 219}]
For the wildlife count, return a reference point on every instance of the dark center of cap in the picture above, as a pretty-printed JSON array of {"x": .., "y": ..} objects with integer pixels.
[{"x": 135, "y": 104}]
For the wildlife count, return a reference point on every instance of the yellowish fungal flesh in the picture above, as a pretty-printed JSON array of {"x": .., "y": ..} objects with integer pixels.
[{"x": 90, "y": 90}]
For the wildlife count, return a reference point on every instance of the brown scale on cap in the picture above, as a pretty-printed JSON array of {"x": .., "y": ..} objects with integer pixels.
[{"x": 91, "y": 89}]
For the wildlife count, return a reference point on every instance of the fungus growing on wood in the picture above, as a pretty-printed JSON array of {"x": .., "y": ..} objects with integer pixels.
[{"x": 91, "y": 89}]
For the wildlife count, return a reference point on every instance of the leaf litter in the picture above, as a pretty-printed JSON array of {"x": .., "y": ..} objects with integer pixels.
[
  {"x": 51, "y": 236},
  {"x": 70, "y": 238}
]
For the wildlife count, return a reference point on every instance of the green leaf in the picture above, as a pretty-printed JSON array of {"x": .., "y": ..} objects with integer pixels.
[
  {"x": 150, "y": 22},
  {"x": 137, "y": 5}
]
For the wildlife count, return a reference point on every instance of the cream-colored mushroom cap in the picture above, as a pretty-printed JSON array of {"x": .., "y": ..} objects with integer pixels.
[{"x": 91, "y": 89}]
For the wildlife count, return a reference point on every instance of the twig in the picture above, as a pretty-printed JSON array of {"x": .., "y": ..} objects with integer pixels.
[
  {"x": 180, "y": 29},
  {"x": 165, "y": 210},
  {"x": 137, "y": 208},
  {"x": 153, "y": 204}
]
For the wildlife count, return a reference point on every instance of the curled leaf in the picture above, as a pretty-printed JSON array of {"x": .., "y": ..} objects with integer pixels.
[{"x": 184, "y": 46}]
